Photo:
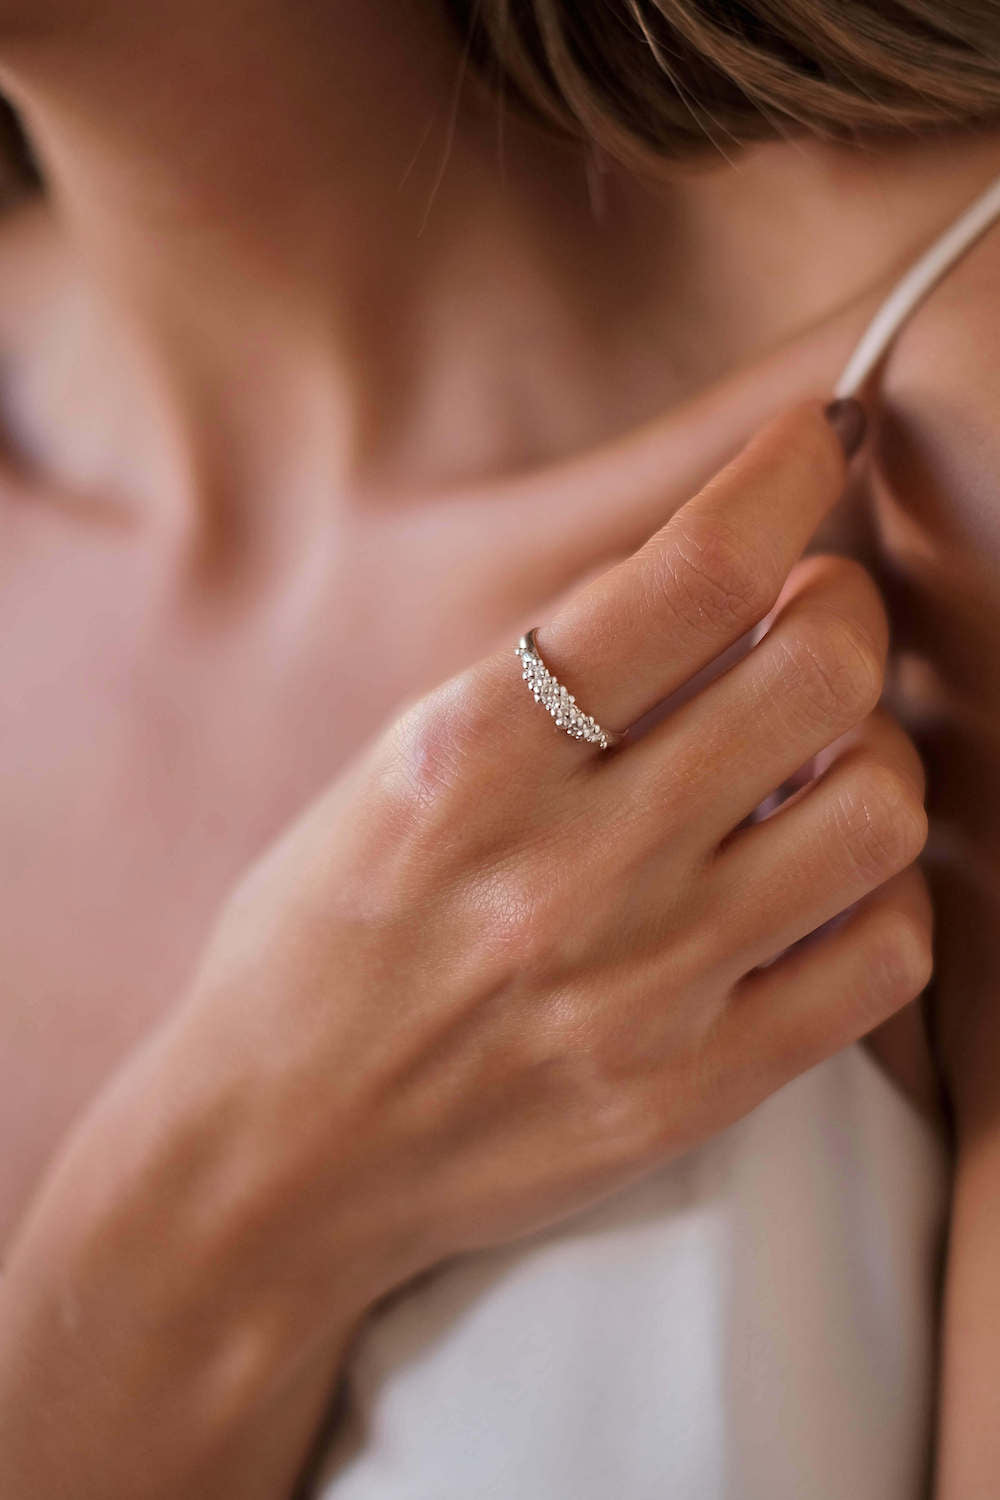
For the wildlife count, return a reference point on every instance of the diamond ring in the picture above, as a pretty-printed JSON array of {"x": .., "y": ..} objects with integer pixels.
[{"x": 550, "y": 693}]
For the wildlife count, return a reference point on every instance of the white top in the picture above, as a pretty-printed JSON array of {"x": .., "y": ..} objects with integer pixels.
[{"x": 752, "y": 1322}]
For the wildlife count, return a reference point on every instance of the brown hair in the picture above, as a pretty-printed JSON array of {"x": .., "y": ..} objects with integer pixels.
[
  {"x": 18, "y": 173},
  {"x": 656, "y": 78}
]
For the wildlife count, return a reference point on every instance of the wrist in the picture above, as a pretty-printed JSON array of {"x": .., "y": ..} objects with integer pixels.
[{"x": 158, "y": 1258}]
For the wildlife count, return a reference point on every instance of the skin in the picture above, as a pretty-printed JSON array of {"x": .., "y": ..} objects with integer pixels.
[
  {"x": 200, "y": 546},
  {"x": 417, "y": 937}
]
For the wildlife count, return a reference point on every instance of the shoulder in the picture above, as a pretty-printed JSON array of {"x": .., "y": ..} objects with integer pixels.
[
  {"x": 936, "y": 500},
  {"x": 938, "y": 419},
  {"x": 935, "y": 486}
]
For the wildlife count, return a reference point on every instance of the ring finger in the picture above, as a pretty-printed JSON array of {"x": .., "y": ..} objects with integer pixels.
[
  {"x": 642, "y": 629},
  {"x": 816, "y": 674}
]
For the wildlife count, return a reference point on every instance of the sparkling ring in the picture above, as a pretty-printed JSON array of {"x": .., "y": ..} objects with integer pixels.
[{"x": 550, "y": 693}]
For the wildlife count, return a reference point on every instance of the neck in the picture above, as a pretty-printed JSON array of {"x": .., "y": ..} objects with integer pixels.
[
  {"x": 311, "y": 252},
  {"x": 249, "y": 207}
]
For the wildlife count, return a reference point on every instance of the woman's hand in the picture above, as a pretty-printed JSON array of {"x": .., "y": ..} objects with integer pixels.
[{"x": 494, "y": 973}]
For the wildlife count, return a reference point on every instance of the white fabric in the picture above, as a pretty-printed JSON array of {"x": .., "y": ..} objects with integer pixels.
[{"x": 753, "y": 1322}]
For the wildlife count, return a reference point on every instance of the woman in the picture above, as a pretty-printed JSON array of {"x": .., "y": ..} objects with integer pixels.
[{"x": 325, "y": 376}]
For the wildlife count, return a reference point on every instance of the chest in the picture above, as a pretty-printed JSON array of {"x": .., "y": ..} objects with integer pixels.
[{"x": 153, "y": 744}]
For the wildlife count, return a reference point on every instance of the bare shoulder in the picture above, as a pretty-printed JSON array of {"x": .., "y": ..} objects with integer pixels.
[
  {"x": 935, "y": 496},
  {"x": 937, "y": 500},
  {"x": 939, "y": 401}
]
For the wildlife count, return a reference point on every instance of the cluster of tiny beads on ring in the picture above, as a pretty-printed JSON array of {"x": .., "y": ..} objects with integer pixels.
[{"x": 550, "y": 693}]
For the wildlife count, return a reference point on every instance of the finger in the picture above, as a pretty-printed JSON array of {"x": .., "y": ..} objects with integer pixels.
[
  {"x": 879, "y": 731},
  {"x": 865, "y": 733},
  {"x": 833, "y": 989},
  {"x": 827, "y": 847},
  {"x": 556, "y": 602},
  {"x": 816, "y": 674},
  {"x": 701, "y": 582}
]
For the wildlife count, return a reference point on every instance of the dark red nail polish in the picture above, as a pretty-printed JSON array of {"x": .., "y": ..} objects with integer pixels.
[{"x": 848, "y": 419}]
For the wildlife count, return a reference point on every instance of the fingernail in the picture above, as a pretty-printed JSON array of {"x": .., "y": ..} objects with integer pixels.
[{"x": 848, "y": 419}]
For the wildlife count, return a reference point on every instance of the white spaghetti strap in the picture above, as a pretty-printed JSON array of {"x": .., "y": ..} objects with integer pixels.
[{"x": 915, "y": 285}]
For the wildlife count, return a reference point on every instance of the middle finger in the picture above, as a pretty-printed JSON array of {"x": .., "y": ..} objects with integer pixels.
[{"x": 816, "y": 674}]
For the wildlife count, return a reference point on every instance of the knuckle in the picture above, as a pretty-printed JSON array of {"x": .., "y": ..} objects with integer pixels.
[
  {"x": 837, "y": 670},
  {"x": 622, "y": 1104},
  {"x": 712, "y": 577},
  {"x": 884, "y": 820},
  {"x": 606, "y": 1090},
  {"x": 606, "y": 1107},
  {"x": 428, "y": 745},
  {"x": 449, "y": 737},
  {"x": 901, "y": 960}
]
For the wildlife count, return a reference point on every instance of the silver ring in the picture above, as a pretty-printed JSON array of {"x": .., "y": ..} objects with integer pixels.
[{"x": 550, "y": 693}]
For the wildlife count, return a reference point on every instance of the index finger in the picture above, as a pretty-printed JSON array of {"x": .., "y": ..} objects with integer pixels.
[{"x": 640, "y": 631}]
